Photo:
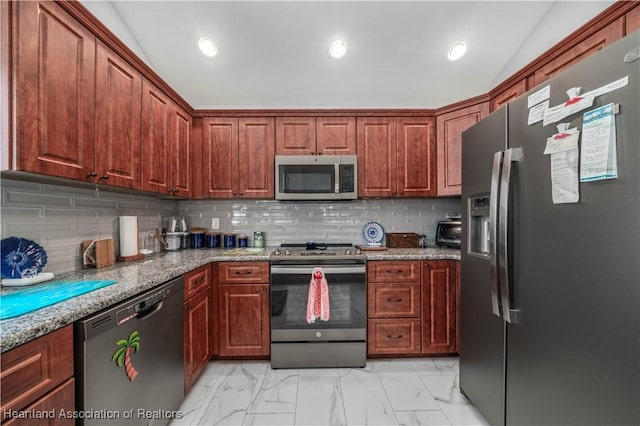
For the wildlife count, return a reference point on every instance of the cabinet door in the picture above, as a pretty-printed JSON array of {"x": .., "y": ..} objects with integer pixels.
[
  {"x": 55, "y": 92},
  {"x": 416, "y": 157},
  {"x": 180, "y": 142},
  {"x": 256, "y": 157},
  {"x": 336, "y": 135},
  {"x": 450, "y": 127},
  {"x": 632, "y": 20},
  {"x": 60, "y": 400},
  {"x": 220, "y": 157},
  {"x": 439, "y": 307},
  {"x": 587, "y": 47},
  {"x": 118, "y": 115},
  {"x": 156, "y": 152},
  {"x": 244, "y": 319},
  {"x": 196, "y": 336},
  {"x": 376, "y": 141},
  {"x": 295, "y": 135},
  {"x": 509, "y": 94}
]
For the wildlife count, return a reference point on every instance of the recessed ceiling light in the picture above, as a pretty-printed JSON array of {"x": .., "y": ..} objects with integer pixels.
[
  {"x": 457, "y": 50},
  {"x": 337, "y": 48},
  {"x": 208, "y": 47}
]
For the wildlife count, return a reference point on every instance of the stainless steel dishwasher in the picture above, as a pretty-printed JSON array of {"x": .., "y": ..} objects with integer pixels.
[{"x": 130, "y": 362}]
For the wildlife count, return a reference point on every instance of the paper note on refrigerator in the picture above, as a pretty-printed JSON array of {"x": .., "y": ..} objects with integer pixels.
[
  {"x": 598, "y": 159},
  {"x": 536, "y": 114},
  {"x": 563, "y": 149}
]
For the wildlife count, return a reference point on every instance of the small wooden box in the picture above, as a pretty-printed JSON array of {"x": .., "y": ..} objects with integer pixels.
[
  {"x": 403, "y": 240},
  {"x": 98, "y": 256}
]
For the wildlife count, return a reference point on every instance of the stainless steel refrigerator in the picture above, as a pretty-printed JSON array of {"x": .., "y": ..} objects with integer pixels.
[{"x": 550, "y": 293}]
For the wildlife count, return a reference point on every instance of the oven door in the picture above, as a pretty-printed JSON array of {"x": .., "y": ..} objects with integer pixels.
[{"x": 347, "y": 304}]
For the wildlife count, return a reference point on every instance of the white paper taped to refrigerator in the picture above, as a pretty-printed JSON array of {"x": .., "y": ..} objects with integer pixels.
[
  {"x": 536, "y": 114},
  {"x": 599, "y": 157},
  {"x": 572, "y": 106},
  {"x": 563, "y": 148},
  {"x": 539, "y": 96}
]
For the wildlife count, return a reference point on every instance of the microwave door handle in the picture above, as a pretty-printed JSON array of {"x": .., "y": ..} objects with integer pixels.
[
  {"x": 493, "y": 234},
  {"x": 337, "y": 178},
  {"x": 511, "y": 155}
]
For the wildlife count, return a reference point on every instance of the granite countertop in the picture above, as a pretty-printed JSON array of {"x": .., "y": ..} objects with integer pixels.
[{"x": 136, "y": 277}]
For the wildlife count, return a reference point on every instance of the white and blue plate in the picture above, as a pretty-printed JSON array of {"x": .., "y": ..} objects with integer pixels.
[
  {"x": 21, "y": 258},
  {"x": 373, "y": 233}
]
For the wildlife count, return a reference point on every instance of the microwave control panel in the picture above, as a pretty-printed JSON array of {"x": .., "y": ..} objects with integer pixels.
[{"x": 347, "y": 178}]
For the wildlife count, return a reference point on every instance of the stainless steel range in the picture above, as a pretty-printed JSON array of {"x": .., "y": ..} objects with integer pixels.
[{"x": 336, "y": 341}]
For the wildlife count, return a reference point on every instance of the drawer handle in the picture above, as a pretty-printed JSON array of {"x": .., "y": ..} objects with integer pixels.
[
  {"x": 394, "y": 336},
  {"x": 394, "y": 300},
  {"x": 399, "y": 271},
  {"x": 243, "y": 272},
  {"x": 199, "y": 281}
]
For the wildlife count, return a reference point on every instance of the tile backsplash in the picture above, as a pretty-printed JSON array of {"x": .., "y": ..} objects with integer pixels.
[
  {"x": 59, "y": 218},
  {"x": 330, "y": 222}
]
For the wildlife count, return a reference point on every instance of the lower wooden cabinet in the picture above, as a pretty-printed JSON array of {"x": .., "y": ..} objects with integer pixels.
[
  {"x": 393, "y": 336},
  {"x": 61, "y": 399},
  {"x": 439, "y": 317},
  {"x": 39, "y": 375},
  {"x": 197, "y": 324},
  {"x": 243, "y": 309}
]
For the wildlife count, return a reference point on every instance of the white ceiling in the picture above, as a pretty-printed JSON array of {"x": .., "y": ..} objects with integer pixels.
[{"x": 274, "y": 54}]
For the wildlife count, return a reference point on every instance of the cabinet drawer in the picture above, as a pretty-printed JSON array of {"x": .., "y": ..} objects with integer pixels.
[
  {"x": 60, "y": 400},
  {"x": 393, "y": 271},
  {"x": 243, "y": 272},
  {"x": 33, "y": 369},
  {"x": 195, "y": 281},
  {"x": 393, "y": 336},
  {"x": 387, "y": 300}
]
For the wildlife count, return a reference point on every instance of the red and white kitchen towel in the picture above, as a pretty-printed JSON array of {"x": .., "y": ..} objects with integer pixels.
[{"x": 318, "y": 301}]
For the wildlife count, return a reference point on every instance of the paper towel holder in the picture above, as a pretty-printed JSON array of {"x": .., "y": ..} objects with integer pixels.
[{"x": 132, "y": 228}]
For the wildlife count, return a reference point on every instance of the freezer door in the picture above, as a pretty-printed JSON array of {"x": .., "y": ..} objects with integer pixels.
[
  {"x": 482, "y": 331},
  {"x": 572, "y": 354}
]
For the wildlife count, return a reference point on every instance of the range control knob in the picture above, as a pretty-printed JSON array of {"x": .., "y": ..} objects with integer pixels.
[
  {"x": 287, "y": 252},
  {"x": 358, "y": 252},
  {"x": 347, "y": 252},
  {"x": 277, "y": 252}
]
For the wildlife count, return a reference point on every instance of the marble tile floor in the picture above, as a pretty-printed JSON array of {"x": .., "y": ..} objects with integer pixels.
[{"x": 415, "y": 391}]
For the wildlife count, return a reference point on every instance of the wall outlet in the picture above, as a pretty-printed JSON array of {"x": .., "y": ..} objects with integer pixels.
[{"x": 215, "y": 223}]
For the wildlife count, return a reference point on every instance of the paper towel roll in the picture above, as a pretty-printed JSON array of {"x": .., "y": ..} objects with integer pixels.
[{"x": 128, "y": 235}]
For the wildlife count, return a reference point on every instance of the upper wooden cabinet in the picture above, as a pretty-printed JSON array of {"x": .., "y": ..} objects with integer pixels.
[
  {"x": 509, "y": 94},
  {"x": 396, "y": 156},
  {"x": 166, "y": 139},
  {"x": 118, "y": 114},
  {"x": 587, "y": 47},
  {"x": 238, "y": 157},
  {"x": 450, "y": 127},
  {"x": 632, "y": 20},
  {"x": 315, "y": 135},
  {"x": 54, "y": 92}
]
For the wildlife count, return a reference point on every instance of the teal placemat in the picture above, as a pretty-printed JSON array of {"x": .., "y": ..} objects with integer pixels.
[{"x": 40, "y": 295}]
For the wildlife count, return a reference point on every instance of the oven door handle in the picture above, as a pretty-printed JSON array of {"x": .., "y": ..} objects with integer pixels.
[{"x": 307, "y": 270}]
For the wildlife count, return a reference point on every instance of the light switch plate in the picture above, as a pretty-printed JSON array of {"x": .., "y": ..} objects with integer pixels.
[{"x": 215, "y": 223}]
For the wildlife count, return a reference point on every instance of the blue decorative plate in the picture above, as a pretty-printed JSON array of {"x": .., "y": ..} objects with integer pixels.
[
  {"x": 21, "y": 258},
  {"x": 373, "y": 233}
]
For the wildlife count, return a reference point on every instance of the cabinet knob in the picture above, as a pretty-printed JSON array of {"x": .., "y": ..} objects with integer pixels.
[
  {"x": 92, "y": 174},
  {"x": 235, "y": 193},
  {"x": 105, "y": 177},
  {"x": 264, "y": 289}
]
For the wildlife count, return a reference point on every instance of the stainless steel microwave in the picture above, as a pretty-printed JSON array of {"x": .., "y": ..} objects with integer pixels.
[{"x": 316, "y": 177}]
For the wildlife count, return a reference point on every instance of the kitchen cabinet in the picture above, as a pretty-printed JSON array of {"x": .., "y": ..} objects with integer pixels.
[
  {"x": 632, "y": 20},
  {"x": 449, "y": 128},
  {"x": 315, "y": 135},
  {"x": 394, "y": 305},
  {"x": 583, "y": 49},
  {"x": 118, "y": 117},
  {"x": 166, "y": 155},
  {"x": 55, "y": 71},
  {"x": 238, "y": 157},
  {"x": 244, "y": 315},
  {"x": 396, "y": 156},
  {"x": 439, "y": 317},
  {"x": 197, "y": 323},
  {"x": 39, "y": 375},
  {"x": 509, "y": 94}
]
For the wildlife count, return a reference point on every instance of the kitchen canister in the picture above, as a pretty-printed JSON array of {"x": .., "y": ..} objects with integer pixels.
[
  {"x": 243, "y": 241},
  {"x": 229, "y": 240},
  {"x": 197, "y": 237},
  {"x": 213, "y": 239},
  {"x": 258, "y": 239}
]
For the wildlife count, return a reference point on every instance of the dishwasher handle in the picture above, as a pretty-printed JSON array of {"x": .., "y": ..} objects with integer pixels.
[{"x": 152, "y": 310}]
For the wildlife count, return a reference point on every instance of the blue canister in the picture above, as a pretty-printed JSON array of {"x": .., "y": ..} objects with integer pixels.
[
  {"x": 243, "y": 241},
  {"x": 197, "y": 238},
  {"x": 213, "y": 239},
  {"x": 229, "y": 240}
]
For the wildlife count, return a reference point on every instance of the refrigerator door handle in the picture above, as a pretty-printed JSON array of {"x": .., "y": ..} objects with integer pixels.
[
  {"x": 493, "y": 233},
  {"x": 511, "y": 155}
]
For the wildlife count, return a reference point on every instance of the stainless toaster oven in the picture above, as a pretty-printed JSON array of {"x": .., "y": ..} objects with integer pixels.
[{"x": 448, "y": 233}]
